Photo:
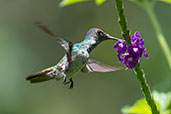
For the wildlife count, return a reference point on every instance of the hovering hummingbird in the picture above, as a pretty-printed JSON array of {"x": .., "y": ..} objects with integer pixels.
[{"x": 76, "y": 59}]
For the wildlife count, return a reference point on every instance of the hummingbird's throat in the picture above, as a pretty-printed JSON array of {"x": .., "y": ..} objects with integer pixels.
[{"x": 92, "y": 45}]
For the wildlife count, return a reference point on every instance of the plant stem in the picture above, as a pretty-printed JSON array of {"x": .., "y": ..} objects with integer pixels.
[
  {"x": 146, "y": 89},
  {"x": 161, "y": 39},
  {"x": 122, "y": 21},
  {"x": 138, "y": 71}
]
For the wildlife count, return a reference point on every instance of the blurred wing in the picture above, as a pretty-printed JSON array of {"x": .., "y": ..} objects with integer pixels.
[
  {"x": 67, "y": 45},
  {"x": 96, "y": 66}
]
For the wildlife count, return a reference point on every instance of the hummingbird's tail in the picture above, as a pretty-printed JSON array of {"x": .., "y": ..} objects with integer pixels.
[{"x": 41, "y": 76}]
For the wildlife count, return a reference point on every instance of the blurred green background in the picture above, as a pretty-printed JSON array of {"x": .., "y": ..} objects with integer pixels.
[{"x": 25, "y": 49}]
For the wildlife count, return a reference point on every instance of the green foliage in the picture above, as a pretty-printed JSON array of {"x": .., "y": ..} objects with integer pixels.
[
  {"x": 163, "y": 101},
  {"x": 69, "y": 2},
  {"x": 140, "y": 107},
  {"x": 166, "y": 1},
  {"x": 99, "y": 2}
]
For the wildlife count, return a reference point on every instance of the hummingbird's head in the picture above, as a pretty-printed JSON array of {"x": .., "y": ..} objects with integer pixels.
[
  {"x": 97, "y": 35},
  {"x": 94, "y": 37}
]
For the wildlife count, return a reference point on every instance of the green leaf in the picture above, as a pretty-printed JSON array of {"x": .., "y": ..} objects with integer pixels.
[
  {"x": 69, "y": 2},
  {"x": 140, "y": 107},
  {"x": 163, "y": 101},
  {"x": 166, "y": 1},
  {"x": 99, "y": 2}
]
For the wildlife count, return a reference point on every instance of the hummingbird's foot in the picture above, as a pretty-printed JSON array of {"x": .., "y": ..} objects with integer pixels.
[
  {"x": 72, "y": 83},
  {"x": 67, "y": 82}
]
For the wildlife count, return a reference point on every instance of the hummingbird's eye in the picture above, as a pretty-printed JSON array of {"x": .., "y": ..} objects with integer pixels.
[{"x": 100, "y": 33}]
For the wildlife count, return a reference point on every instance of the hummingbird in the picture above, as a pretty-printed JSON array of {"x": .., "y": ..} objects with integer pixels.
[{"x": 76, "y": 59}]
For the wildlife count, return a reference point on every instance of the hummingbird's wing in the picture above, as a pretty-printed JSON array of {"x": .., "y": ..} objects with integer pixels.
[
  {"x": 96, "y": 66},
  {"x": 67, "y": 45}
]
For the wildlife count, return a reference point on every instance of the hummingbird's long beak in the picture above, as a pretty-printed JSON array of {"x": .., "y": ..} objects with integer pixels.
[{"x": 111, "y": 37}]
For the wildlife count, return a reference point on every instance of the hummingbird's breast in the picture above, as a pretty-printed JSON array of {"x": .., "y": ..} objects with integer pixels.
[{"x": 79, "y": 57}]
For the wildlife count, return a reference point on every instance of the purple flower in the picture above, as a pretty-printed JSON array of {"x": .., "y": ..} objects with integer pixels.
[
  {"x": 141, "y": 43},
  {"x": 135, "y": 50},
  {"x": 145, "y": 54},
  {"x": 135, "y": 37},
  {"x": 120, "y": 46},
  {"x": 120, "y": 58},
  {"x": 130, "y": 61},
  {"x": 138, "y": 42}
]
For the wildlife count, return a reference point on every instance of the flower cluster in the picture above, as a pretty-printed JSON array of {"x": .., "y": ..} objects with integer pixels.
[{"x": 129, "y": 55}]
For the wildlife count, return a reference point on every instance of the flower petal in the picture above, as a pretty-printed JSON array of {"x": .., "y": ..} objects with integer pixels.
[
  {"x": 145, "y": 54},
  {"x": 130, "y": 61},
  {"x": 120, "y": 46}
]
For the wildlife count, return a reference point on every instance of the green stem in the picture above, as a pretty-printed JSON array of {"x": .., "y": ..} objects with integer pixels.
[
  {"x": 146, "y": 89},
  {"x": 161, "y": 39},
  {"x": 122, "y": 21},
  {"x": 138, "y": 71}
]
